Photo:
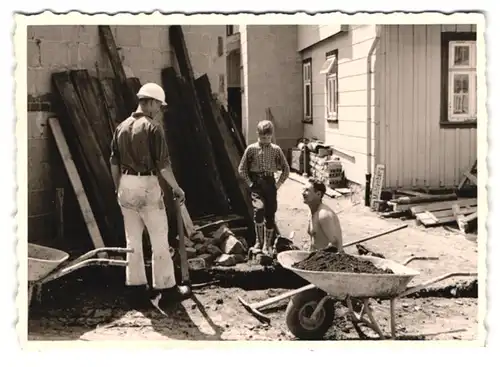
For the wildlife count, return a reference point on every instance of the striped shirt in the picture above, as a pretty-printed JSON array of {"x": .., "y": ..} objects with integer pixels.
[{"x": 259, "y": 158}]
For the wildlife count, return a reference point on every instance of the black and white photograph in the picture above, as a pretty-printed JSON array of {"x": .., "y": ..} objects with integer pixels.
[{"x": 222, "y": 178}]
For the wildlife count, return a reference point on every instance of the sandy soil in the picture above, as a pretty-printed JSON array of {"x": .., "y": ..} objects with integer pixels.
[{"x": 215, "y": 313}]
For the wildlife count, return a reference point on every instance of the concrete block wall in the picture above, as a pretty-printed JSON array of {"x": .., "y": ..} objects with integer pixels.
[
  {"x": 145, "y": 50},
  {"x": 272, "y": 75}
]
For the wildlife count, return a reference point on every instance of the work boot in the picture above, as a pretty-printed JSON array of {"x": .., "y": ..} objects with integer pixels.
[
  {"x": 171, "y": 296},
  {"x": 137, "y": 297},
  {"x": 268, "y": 241},
  {"x": 259, "y": 236}
]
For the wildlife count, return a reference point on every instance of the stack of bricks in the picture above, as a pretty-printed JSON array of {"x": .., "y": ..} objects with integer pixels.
[
  {"x": 326, "y": 168},
  {"x": 145, "y": 51}
]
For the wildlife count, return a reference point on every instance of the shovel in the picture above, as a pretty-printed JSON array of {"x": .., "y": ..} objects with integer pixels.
[{"x": 185, "y": 280}]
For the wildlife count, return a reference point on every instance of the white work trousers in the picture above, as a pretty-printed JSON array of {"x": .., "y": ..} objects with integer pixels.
[{"x": 141, "y": 203}]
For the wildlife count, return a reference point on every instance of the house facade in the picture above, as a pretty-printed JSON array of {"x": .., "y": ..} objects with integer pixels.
[
  {"x": 399, "y": 95},
  {"x": 145, "y": 51}
]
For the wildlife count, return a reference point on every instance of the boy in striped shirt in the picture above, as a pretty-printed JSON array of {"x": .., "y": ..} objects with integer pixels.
[{"x": 260, "y": 161}]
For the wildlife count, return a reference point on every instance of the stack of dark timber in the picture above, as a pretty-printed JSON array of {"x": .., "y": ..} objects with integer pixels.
[
  {"x": 444, "y": 209},
  {"x": 204, "y": 144}
]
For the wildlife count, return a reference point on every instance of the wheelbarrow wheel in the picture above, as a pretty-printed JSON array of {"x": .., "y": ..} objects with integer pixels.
[{"x": 299, "y": 311}]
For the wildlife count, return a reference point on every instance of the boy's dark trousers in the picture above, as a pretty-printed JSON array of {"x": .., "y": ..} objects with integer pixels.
[{"x": 265, "y": 204}]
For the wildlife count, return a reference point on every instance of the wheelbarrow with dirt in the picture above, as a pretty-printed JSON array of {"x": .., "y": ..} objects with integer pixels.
[
  {"x": 310, "y": 314},
  {"x": 46, "y": 264}
]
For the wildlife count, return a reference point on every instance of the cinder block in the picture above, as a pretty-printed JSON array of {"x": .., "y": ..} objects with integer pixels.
[
  {"x": 34, "y": 56},
  {"x": 87, "y": 56},
  {"x": 54, "y": 54},
  {"x": 39, "y": 81},
  {"x": 38, "y": 127},
  {"x": 45, "y": 32},
  {"x": 73, "y": 57},
  {"x": 128, "y": 35},
  {"x": 149, "y": 76},
  {"x": 139, "y": 58},
  {"x": 159, "y": 59},
  {"x": 150, "y": 37}
]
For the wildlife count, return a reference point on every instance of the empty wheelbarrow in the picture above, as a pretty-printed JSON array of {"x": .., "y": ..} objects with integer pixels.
[
  {"x": 310, "y": 314},
  {"x": 46, "y": 264}
]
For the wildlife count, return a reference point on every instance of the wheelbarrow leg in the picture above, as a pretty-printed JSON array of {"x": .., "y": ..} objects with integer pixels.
[
  {"x": 393, "y": 319},
  {"x": 373, "y": 323}
]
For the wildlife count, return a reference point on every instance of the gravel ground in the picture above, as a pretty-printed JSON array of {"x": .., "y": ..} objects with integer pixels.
[{"x": 215, "y": 313}]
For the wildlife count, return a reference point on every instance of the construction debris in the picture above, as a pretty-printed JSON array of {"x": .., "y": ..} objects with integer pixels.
[{"x": 442, "y": 209}]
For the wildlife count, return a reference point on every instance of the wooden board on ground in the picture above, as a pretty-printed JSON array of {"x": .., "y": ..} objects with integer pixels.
[
  {"x": 470, "y": 175},
  {"x": 377, "y": 184},
  {"x": 414, "y": 193},
  {"x": 76, "y": 182},
  {"x": 442, "y": 205},
  {"x": 466, "y": 218}
]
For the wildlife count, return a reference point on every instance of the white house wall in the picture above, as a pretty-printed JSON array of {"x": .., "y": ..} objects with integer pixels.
[
  {"x": 415, "y": 149},
  {"x": 349, "y": 135},
  {"x": 272, "y": 74},
  {"x": 310, "y": 34}
]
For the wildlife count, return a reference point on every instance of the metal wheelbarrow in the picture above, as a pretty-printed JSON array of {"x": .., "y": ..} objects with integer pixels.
[
  {"x": 310, "y": 314},
  {"x": 46, "y": 264}
]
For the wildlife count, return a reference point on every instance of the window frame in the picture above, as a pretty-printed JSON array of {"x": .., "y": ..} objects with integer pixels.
[
  {"x": 449, "y": 40},
  {"x": 330, "y": 71},
  {"x": 307, "y": 81}
]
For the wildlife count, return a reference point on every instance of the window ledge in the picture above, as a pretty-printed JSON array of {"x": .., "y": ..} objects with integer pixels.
[
  {"x": 459, "y": 124},
  {"x": 332, "y": 120},
  {"x": 307, "y": 121}
]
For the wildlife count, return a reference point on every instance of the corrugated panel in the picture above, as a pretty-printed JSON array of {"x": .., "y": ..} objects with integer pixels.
[{"x": 417, "y": 152}]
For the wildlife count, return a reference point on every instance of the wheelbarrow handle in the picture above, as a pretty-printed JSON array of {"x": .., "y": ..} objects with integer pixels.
[
  {"x": 432, "y": 281},
  {"x": 96, "y": 251},
  {"x": 75, "y": 266}
]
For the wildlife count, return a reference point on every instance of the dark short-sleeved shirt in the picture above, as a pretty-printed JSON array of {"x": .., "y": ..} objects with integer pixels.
[{"x": 139, "y": 145}]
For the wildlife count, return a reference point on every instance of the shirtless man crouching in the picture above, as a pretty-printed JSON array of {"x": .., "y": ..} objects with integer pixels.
[{"x": 324, "y": 226}]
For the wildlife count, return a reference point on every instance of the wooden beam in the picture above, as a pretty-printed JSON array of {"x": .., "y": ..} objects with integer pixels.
[
  {"x": 225, "y": 149},
  {"x": 99, "y": 176},
  {"x": 114, "y": 57},
  {"x": 76, "y": 182},
  {"x": 206, "y": 149}
]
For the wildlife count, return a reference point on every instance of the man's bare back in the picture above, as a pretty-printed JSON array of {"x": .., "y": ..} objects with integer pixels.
[{"x": 324, "y": 229}]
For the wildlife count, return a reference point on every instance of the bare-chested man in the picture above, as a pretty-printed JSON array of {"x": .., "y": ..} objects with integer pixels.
[{"x": 324, "y": 226}]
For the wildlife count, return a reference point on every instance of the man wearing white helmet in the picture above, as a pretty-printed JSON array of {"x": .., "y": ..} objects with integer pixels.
[{"x": 138, "y": 154}]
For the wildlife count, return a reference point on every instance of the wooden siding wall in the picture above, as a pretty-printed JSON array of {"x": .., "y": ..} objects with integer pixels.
[
  {"x": 416, "y": 151},
  {"x": 349, "y": 134}
]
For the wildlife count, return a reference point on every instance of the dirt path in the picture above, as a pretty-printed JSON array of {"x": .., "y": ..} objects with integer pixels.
[{"x": 217, "y": 315}]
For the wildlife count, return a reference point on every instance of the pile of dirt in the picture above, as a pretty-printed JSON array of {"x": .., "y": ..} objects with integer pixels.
[{"x": 338, "y": 262}]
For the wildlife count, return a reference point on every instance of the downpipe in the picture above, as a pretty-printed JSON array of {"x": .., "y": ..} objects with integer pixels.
[{"x": 369, "y": 118}]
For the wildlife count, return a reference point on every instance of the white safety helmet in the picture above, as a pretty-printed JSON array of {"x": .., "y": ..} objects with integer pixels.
[{"x": 152, "y": 90}]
